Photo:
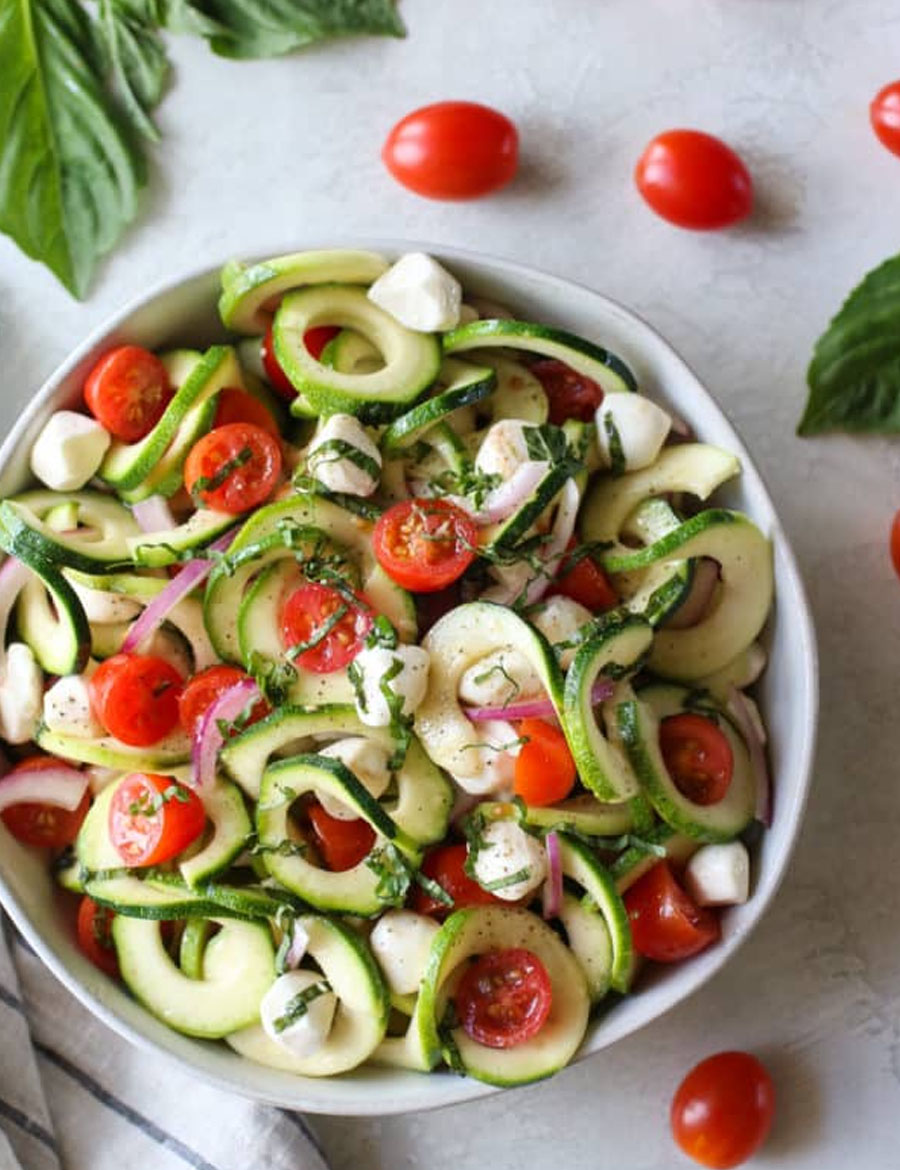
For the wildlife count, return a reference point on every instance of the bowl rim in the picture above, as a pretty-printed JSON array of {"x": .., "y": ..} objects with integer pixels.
[{"x": 453, "y": 1089}]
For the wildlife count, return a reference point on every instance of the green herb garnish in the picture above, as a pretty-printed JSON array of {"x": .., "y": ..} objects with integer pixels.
[{"x": 297, "y": 1007}]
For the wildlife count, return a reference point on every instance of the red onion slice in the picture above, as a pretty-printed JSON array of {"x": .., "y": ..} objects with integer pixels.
[
  {"x": 502, "y": 501},
  {"x": 154, "y": 515},
  {"x": 535, "y": 708},
  {"x": 13, "y": 578},
  {"x": 700, "y": 594},
  {"x": 208, "y": 739},
  {"x": 553, "y": 886},
  {"x": 165, "y": 601},
  {"x": 555, "y": 549},
  {"x": 747, "y": 724},
  {"x": 297, "y": 949},
  {"x": 61, "y": 787}
]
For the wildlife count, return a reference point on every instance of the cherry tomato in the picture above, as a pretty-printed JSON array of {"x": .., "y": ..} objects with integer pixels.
[
  {"x": 424, "y": 545},
  {"x": 203, "y": 690},
  {"x": 343, "y": 844},
  {"x": 127, "y": 391},
  {"x": 665, "y": 923},
  {"x": 95, "y": 937},
  {"x": 153, "y": 818},
  {"x": 698, "y": 756},
  {"x": 723, "y": 1109},
  {"x": 234, "y": 468},
  {"x": 135, "y": 697},
  {"x": 586, "y": 583},
  {"x": 310, "y": 617},
  {"x": 237, "y": 406},
  {"x": 452, "y": 150},
  {"x": 884, "y": 113},
  {"x": 569, "y": 394},
  {"x": 318, "y": 337},
  {"x": 276, "y": 375},
  {"x": 504, "y": 997},
  {"x": 446, "y": 866},
  {"x": 895, "y": 543},
  {"x": 545, "y": 770},
  {"x": 694, "y": 180},
  {"x": 44, "y": 826}
]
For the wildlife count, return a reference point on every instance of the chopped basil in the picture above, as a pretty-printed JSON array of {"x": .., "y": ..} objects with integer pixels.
[
  {"x": 319, "y": 634},
  {"x": 383, "y": 634},
  {"x": 148, "y": 805},
  {"x": 394, "y": 872},
  {"x": 511, "y": 879},
  {"x": 334, "y": 450},
  {"x": 355, "y": 674},
  {"x": 297, "y": 1007},
  {"x": 614, "y": 441},
  {"x": 401, "y": 725},
  {"x": 499, "y": 668},
  {"x": 210, "y": 483}
]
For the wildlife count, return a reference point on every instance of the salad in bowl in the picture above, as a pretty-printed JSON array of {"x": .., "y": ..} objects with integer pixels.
[{"x": 376, "y": 681}]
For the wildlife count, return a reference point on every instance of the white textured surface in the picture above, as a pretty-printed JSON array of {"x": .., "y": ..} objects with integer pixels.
[{"x": 257, "y": 152}]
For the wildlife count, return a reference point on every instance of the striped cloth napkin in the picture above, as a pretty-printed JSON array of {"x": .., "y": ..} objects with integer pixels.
[{"x": 75, "y": 1096}]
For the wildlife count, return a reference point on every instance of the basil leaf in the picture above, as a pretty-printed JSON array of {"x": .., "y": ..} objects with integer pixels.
[
  {"x": 69, "y": 176},
  {"x": 854, "y": 376},
  {"x": 268, "y": 28},
  {"x": 137, "y": 58}
]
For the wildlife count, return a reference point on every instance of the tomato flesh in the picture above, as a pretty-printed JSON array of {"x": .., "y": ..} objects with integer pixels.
[
  {"x": 310, "y": 618},
  {"x": 698, "y": 757},
  {"x": 895, "y": 544},
  {"x": 666, "y": 925},
  {"x": 504, "y": 997},
  {"x": 445, "y": 865},
  {"x": 237, "y": 406},
  {"x": 545, "y": 769},
  {"x": 425, "y": 545},
  {"x": 694, "y": 180},
  {"x": 342, "y": 844},
  {"x": 95, "y": 937},
  {"x": 276, "y": 375},
  {"x": 233, "y": 468},
  {"x": 585, "y": 582},
  {"x": 569, "y": 394},
  {"x": 723, "y": 1110},
  {"x": 205, "y": 688},
  {"x": 453, "y": 150},
  {"x": 44, "y": 826},
  {"x": 884, "y": 114},
  {"x": 127, "y": 391},
  {"x": 135, "y": 697},
  {"x": 153, "y": 818}
]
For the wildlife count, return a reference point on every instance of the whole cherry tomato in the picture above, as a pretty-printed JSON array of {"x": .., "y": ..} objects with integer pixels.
[
  {"x": 694, "y": 180},
  {"x": 723, "y": 1109},
  {"x": 884, "y": 114}
]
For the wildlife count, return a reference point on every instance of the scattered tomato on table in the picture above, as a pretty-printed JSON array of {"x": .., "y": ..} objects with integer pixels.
[
  {"x": 694, "y": 180},
  {"x": 722, "y": 1111}
]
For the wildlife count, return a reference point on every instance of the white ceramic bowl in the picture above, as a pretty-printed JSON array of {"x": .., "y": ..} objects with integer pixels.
[{"x": 183, "y": 312}]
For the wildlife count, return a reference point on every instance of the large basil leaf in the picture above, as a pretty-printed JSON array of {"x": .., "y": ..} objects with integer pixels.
[
  {"x": 137, "y": 58},
  {"x": 267, "y": 28},
  {"x": 854, "y": 376},
  {"x": 69, "y": 176}
]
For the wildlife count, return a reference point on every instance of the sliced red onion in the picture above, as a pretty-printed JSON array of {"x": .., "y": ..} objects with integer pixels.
[
  {"x": 13, "y": 578},
  {"x": 208, "y": 739},
  {"x": 508, "y": 497},
  {"x": 553, "y": 886},
  {"x": 535, "y": 708},
  {"x": 683, "y": 429},
  {"x": 154, "y": 515},
  {"x": 297, "y": 949},
  {"x": 165, "y": 601},
  {"x": 62, "y": 787},
  {"x": 560, "y": 536},
  {"x": 744, "y": 716},
  {"x": 695, "y": 605}
]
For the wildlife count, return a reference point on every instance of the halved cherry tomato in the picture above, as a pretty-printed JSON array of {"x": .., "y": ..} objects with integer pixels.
[
  {"x": 424, "y": 545},
  {"x": 95, "y": 937},
  {"x": 504, "y": 997},
  {"x": 665, "y": 924},
  {"x": 895, "y": 544},
  {"x": 698, "y": 756},
  {"x": 127, "y": 391},
  {"x": 723, "y": 1110},
  {"x": 203, "y": 690},
  {"x": 135, "y": 697},
  {"x": 234, "y": 468},
  {"x": 153, "y": 818},
  {"x": 586, "y": 583},
  {"x": 44, "y": 826},
  {"x": 694, "y": 180},
  {"x": 545, "y": 770},
  {"x": 884, "y": 113},
  {"x": 452, "y": 150},
  {"x": 237, "y": 406},
  {"x": 569, "y": 394},
  {"x": 310, "y": 617},
  {"x": 342, "y": 844},
  {"x": 446, "y": 866},
  {"x": 315, "y": 341}
]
